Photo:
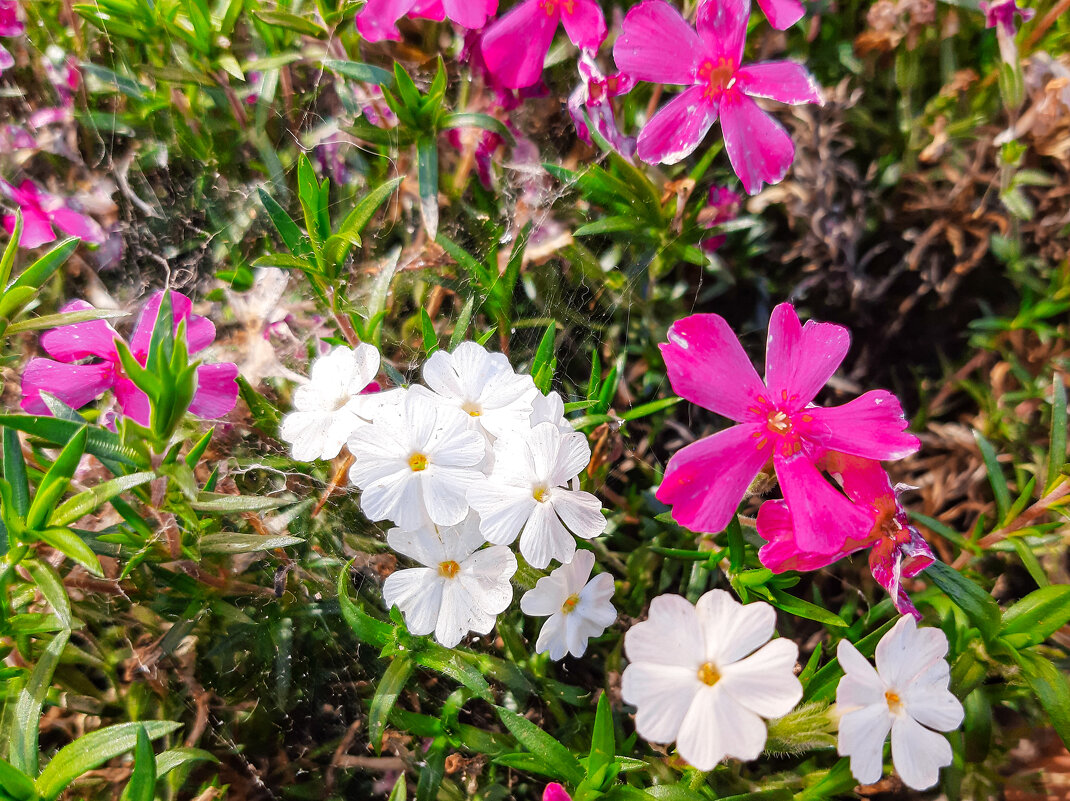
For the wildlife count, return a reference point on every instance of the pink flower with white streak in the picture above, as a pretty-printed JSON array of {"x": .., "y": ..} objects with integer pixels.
[
  {"x": 657, "y": 45},
  {"x": 378, "y": 19},
  {"x": 515, "y": 46},
  {"x": 595, "y": 94},
  {"x": 76, "y": 382},
  {"x": 705, "y": 481},
  {"x": 1003, "y": 14},
  {"x": 41, "y": 211},
  {"x": 898, "y": 549}
]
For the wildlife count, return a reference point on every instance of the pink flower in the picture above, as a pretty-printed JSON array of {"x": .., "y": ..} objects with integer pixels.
[
  {"x": 7, "y": 61},
  {"x": 782, "y": 14},
  {"x": 706, "y": 480},
  {"x": 657, "y": 45},
  {"x": 378, "y": 19},
  {"x": 77, "y": 383},
  {"x": 898, "y": 549},
  {"x": 595, "y": 94},
  {"x": 483, "y": 144},
  {"x": 723, "y": 206},
  {"x": 555, "y": 792},
  {"x": 1003, "y": 13},
  {"x": 516, "y": 45},
  {"x": 11, "y": 23},
  {"x": 40, "y": 211}
]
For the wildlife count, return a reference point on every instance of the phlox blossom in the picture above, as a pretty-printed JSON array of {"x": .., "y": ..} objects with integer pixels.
[
  {"x": 722, "y": 206},
  {"x": 76, "y": 383},
  {"x": 706, "y": 675},
  {"x": 378, "y": 19},
  {"x": 331, "y": 406},
  {"x": 898, "y": 550},
  {"x": 657, "y": 45},
  {"x": 415, "y": 461},
  {"x": 461, "y": 586},
  {"x": 555, "y": 792},
  {"x": 550, "y": 408},
  {"x": 41, "y": 211},
  {"x": 705, "y": 481},
  {"x": 577, "y": 609},
  {"x": 1004, "y": 13},
  {"x": 595, "y": 96},
  {"x": 527, "y": 493},
  {"x": 908, "y": 695},
  {"x": 515, "y": 46}
]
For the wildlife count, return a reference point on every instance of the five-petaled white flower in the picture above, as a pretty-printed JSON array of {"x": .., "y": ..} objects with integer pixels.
[
  {"x": 706, "y": 675},
  {"x": 330, "y": 406},
  {"x": 415, "y": 462},
  {"x": 549, "y": 408},
  {"x": 459, "y": 589},
  {"x": 908, "y": 695},
  {"x": 526, "y": 494},
  {"x": 482, "y": 385},
  {"x": 578, "y": 609}
]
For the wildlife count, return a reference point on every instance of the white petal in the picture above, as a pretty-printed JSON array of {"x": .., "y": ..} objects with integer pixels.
[
  {"x": 445, "y": 493},
  {"x": 765, "y": 681},
  {"x": 502, "y": 510},
  {"x": 365, "y": 360},
  {"x": 546, "y": 597},
  {"x": 862, "y": 735},
  {"x": 307, "y": 433},
  {"x": 670, "y": 635},
  {"x": 860, "y": 685},
  {"x": 544, "y": 441},
  {"x": 397, "y": 497},
  {"x": 578, "y": 630},
  {"x": 485, "y": 575},
  {"x": 662, "y": 694},
  {"x": 717, "y": 726},
  {"x": 457, "y": 615},
  {"x": 417, "y": 592},
  {"x": 440, "y": 375},
  {"x": 595, "y": 604},
  {"x": 342, "y": 425},
  {"x": 576, "y": 572},
  {"x": 906, "y": 651},
  {"x": 572, "y": 457},
  {"x": 553, "y": 637},
  {"x": 456, "y": 446},
  {"x": 580, "y": 511},
  {"x": 422, "y": 544},
  {"x": 931, "y": 703},
  {"x": 544, "y": 538},
  {"x": 918, "y": 753},
  {"x": 731, "y": 629}
]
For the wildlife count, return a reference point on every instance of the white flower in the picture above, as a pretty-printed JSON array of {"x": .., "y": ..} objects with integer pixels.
[
  {"x": 415, "y": 462},
  {"x": 330, "y": 407},
  {"x": 692, "y": 680},
  {"x": 578, "y": 609},
  {"x": 549, "y": 409},
  {"x": 908, "y": 695},
  {"x": 482, "y": 385},
  {"x": 526, "y": 495},
  {"x": 459, "y": 589}
]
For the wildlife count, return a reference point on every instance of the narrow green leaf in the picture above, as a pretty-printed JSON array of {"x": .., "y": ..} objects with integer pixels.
[
  {"x": 978, "y": 605},
  {"x": 65, "y": 318},
  {"x": 471, "y": 119},
  {"x": 1049, "y": 685},
  {"x": 432, "y": 771},
  {"x": 603, "y": 742},
  {"x": 41, "y": 270},
  {"x": 1057, "y": 440},
  {"x": 103, "y": 444},
  {"x": 235, "y": 504},
  {"x": 427, "y": 168},
  {"x": 453, "y": 663},
  {"x": 15, "y": 472},
  {"x": 369, "y": 630},
  {"x": 358, "y": 71},
  {"x": 22, "y": 739},
  {"x": 173, "y": 758},
  {"x": 51, "y": 586},
  {"x": 1037, "y": 616},
  {"x": 995, "y": 476},
  {"x": 464, "y": 319},
  {"x": 233, "y": 542},
  {"x": 13, "y": 781},
  {"x": 285, "y": 225},
  {"x": 298, "y": 24},
  {"x": 142, "y": 783},
  {"x": 546, "y": 748},
  {"x": 647, "y": 409},
  {"x": 400, "y": 789},
  {"x": 71, "y": 545},
  {"x": 7, "y": 259},
  {"x": 386, "y": 695},
  {"x": 427, "y": 329},
  {"x": 367, "y": 206},
  {"x": 85, "y": 502},
  {"x": 56, "y": 480},
  {"x": 800, "y": 608},
  {"x": 543, "y": 364}
]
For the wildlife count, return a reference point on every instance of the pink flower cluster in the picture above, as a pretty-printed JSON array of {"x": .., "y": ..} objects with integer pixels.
[
  {"x": 11, "y": 24},
  {"x": 777, "y": 424}
]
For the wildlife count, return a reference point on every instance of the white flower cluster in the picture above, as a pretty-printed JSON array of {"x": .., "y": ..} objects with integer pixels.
[{"x": 477, "y": 457}]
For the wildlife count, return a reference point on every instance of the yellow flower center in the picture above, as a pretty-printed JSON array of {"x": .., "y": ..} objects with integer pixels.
[
  {"x": 893, "y": 701},
  {"x": 417, "y": 462},
  {"x": 449, "y": 569},
  {"x": 473, "y": 409},
  {"x": 540, "y": 494},
  {"x": 569, "y": 605},
  {"x": 708, "y": 674}
]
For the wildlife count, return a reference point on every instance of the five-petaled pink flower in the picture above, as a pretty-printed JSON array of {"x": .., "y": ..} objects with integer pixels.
[
  {"x": 657, "y": 45},
  {"x": 515, "y": 46},
  {"x": 898, "y": 549},
  {"x": 76, "y": 383},
  {"x": 40, "y": 211},
  {"x": 1003, "y": 13},
  {"x": 378, "y": 19},
  {"x": 705, "y": 481},
  {"x": 722, "y": 206}
]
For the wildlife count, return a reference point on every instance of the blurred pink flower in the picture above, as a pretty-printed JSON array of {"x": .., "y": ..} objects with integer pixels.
[
  {"x": 723, "y": 206},
  {"x": 595, "y": 93},
  {"x": 705, "y": 481},
  {"x": 76, "y": 383},
  {"x": 40, "y": 211},
  {"x": 7, "y": 61},
  {"x": 782, "y": 14},
  {"x": 555, "y": 792},
  {"x": 898, "y": 549},
  {"x": 11, "y": 23},
  {"x": 515, "y": 46},
  {"x": 1003, "y": 13},
  {"x": 657, "y": 45},
  {"x": 484, "y": 145},
  {"x": 378, "y": 19}
]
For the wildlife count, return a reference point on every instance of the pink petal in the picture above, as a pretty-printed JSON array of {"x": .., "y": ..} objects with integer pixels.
[
  {"x": 133, "y": 402},
  {"x": 71, "y": 343},
  {"x": 657, "y": 45},
  {"x": 470, "y": 13},
  {"x": 79, "y": 225},
  {"x": 758, "y": 146},
  {"x": 428, "y": 9},
  {"x": 217, "y": 391},
  {"x": 871, "y": 426},
  {"x": 782, "y": 14},
  {"x": 555, "y": 792},
  {"x": 7, "y": 61},
  {"x": 705, "y": 482},
  {"x": 864, "y": 480},
  {"x": 678, "y": 127},
  {"x": 36, "y": 228},
  {"x": 784, "y": 81},
  {"x": 781, "y": 552},
  {"x": 74, "y": 384},
  {"x": 825, "y": 520},
  {"x": 585, "y": 25},
  {"x": 200, "y": 331},
  {"x": 377, "y": 20},
  {"x": 722, "y": 24},
  {"x": 800, "y": 359},
  {"x": 708, "y": 366},
  {"x": 515, "y": 46}
]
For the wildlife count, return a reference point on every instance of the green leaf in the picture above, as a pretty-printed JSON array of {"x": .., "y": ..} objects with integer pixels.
[
  {"x": 65, "y": 318},
  {"x": 543, "y": 746},
  {"x": 284, "y": 224},
  {"x": 41, "y": 270},
  {"x": 1049, "y": 685},
  {"x": 142, "y": 783},
  {"x": 51, "y": 586},
  {"x": 56, "y": 480},
  {"x": 15, "y": 472},
  {"x": 14, "y": 299},
  {"x": 544, "y": 363},
  {"x": 235, "y": 504},
  {"x": 22, "y": 738},
  {"x": 308, "y": 191},
  {"x": 609, "y": 225},
  {"x": 233, "y": 542},
  {"x": 177, "y": 757},
  {"x": 647, "y": 409},
  {"x": 85, "y": 502},
  {"x": 995, "y": 475},
  {"x": 471, "y": 119},
  {"x": 453, "y": 663},
  {"x": 800, "y": 608},
  {"x": 13, "y": 781},
  {"x": 1037, "y": 616},
  {"x": 603, "y": 742},
  {"x": 427, "y": 169},
  {"x": 92, "y": 750},
  {"x": 368, "y": 629},
  {"x": 358, "y": 71},
  {"x": 386, "y": 695},
  {"x": 432, "y": 771},
  {"x": 1057, "y": 441},
  {"x": 978, "y": 605},
  {"x": 103, "y": 444},
  {"x": 7, "y": 258},
  {"x": 355, "y": 221},
  {"x": 427, "y": 330},
  {"x": 464, "y": 319},
  {"x": 400, "y": 789},
  {"x": 71, "y": 545},
  {"x": 292, "y": 22}
]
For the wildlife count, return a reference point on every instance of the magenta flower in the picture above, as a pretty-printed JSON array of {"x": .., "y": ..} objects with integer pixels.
[
  {"x": 40, "y": 211},
  {"x": 782, "y": 14},
  {"x": 11, "y": 23},
  {"x": 7, "y": 61},
  {"x": 595, "y": 94},
  {"x": 515, "y": 46},
  {"x": 76, "y": 383},
  {"x": 555, "y": 792},
  {"x": 657, "y": 45},
  {"x": 723, "y": 206},
  {"x": 705, "y": 481},
  {"x": 378, "y": 19},
  {"x": 898, "y": 549},
  {"x": 1003, "y": 13}
]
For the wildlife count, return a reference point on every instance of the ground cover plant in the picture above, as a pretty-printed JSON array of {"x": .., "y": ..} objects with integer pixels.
[{"x": 554, "y": 399}]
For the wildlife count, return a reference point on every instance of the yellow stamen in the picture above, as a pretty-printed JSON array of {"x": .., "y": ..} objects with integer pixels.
[
  {"x": 708, "y": 674},
  {"x": 570, "y": 604},
  {"x": 449, "y": 569},
  {"x": 417, "y": 462},
  {"x": 893, "y": 701},
  {"x": 540, "y": 494}
]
